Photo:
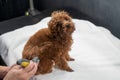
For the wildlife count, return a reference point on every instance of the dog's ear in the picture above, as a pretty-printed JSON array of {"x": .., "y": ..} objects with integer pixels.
[
  {"x": 51, "y": 25},
  {"x": 55, "y": 26}
]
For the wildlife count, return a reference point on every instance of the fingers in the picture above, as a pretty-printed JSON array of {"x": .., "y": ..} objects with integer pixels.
[
  {"x": 17, "y": 72},
  {"x": 34, "y": 69},
  {"x": 31, "y": 68}
]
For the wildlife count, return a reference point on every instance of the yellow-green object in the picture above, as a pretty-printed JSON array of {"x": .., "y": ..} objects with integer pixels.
[{"x": 25, "y": 64}]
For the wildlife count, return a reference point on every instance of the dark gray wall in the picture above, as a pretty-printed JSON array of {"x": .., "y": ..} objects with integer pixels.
[
  {"x": 101, "y": 12},
  {"x": 12, "y": 8}
]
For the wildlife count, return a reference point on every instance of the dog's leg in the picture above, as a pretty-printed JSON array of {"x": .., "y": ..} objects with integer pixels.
[
  {"x": 31, "y": 52},
  {"x": 45, "y": 66},
  {"x": 46, "y": 63},
  {"x": 62, "y": 64}
]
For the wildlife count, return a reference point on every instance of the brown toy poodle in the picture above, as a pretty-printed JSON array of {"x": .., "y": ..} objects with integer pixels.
[{"x": 52, "y": 44}]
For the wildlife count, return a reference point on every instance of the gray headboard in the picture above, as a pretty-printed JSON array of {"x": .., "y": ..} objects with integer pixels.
[{"x": 101, "y": 12}]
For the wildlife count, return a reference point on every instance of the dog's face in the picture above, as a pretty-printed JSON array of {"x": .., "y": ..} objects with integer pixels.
[{"x": 61, "y": 23}]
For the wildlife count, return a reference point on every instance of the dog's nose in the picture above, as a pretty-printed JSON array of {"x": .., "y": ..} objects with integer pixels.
[{"x": 59, "y": 24}]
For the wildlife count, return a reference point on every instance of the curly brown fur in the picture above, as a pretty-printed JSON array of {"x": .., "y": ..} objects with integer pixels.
[{"x": 52, "y": 44}]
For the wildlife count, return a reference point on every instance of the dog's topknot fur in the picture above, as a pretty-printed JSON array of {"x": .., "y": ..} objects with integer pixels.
[
  {"x": 59, "y": 13},
  {"x": 52, "y": 44}
]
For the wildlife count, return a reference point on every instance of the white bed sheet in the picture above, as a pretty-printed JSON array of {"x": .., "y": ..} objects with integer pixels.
[{"x": 95, "y": 49}]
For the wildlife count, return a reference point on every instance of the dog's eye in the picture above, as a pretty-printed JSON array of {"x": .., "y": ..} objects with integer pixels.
[{"x": 68, "y": 26}]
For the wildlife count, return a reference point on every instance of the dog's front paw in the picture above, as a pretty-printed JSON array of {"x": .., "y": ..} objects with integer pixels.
[{"x": 71, "y": 59}]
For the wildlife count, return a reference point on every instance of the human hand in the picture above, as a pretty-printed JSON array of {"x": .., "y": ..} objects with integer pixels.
[
  {"x": 17, "y": 72},
  {"x": 3, "y": 71}
]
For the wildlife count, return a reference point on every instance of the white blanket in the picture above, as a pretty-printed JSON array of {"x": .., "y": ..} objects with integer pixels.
[{"x": 95, "y": 49}]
